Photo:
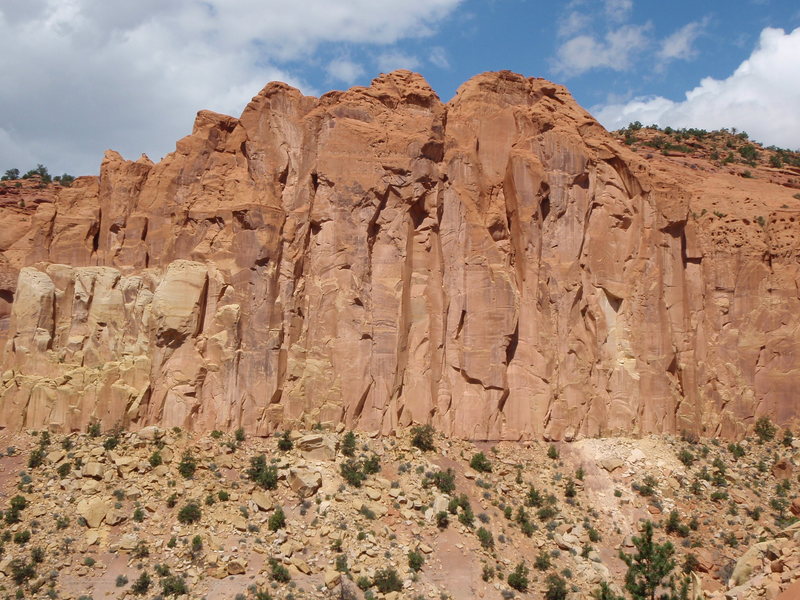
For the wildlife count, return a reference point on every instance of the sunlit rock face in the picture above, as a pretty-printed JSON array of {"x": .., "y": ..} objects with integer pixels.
[{"x": 497, "y": 266}]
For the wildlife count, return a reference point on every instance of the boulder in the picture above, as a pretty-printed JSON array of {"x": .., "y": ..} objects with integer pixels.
[
  {"x": 304, "y": 482},
  {"x": 93, "y": 510},
  {"x": 94, "y": 470},
  {"x": 262, "y": 500},
  {"x": 317, "y": 446}
]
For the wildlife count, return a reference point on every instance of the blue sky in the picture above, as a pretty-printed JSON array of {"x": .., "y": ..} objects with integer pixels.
[{"x": 85, "y": 75}]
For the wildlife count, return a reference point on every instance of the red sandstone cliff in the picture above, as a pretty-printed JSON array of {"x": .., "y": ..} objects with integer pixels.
[{"x": 498, "y": 266}]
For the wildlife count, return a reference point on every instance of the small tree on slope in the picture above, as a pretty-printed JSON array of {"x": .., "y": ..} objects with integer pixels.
[{"x": 649, "y": 575}]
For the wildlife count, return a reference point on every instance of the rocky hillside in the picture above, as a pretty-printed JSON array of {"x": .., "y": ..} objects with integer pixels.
[
  {"x": 499, "y": 266},
  {"x": 336, "y": 514}
]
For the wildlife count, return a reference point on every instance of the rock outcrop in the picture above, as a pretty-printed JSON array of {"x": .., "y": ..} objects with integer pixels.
[{"x": 498, "y": 266}]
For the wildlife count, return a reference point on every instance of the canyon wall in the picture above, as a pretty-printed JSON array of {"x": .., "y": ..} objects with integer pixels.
[{"x": 497, "y": 266}]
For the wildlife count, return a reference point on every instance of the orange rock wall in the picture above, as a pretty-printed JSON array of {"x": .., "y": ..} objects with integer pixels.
[{"x": 497, "y": 266}]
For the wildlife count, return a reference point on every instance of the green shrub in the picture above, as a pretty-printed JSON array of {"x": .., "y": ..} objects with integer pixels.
[
  {"x": 121, "y": 581},
  {"x": 686, "y": 457},
  {"x": 371, "y": 465},
  {"x": 442, "y": 520},
  {"x": 142, "y": 584},
  {"x": 349, "y": 444},
  {"x": 22, "y": 537},
  {"x": 604, "y": 592},
  {"x": 138, "y": 515},
  {"x": 173, "y": 585},
  {"x": 19, "y": 502},
  {"x": 534, "y": 498},
  {"x": 278, "y": 572},
  {"x": 187, "y": 466},
  {"x": 190, "y": 513},
  {"x": 466, "y": 517},
  {"x": 486, "y": 538},
  {"x": 422, "y": 437},
  {"x": 415, "y": 560},
  {"x": 197, "y": 545},
  {"x": 765, "y": 430},
  {"x": 556, "y": 587},
  {"x": 40, "y": 171},
  {"x": 284, "y": 442},
  {"x": 341, "y": 564},
  {"x": 480, "y": 463},
  {"x": 387, "y": 580},
  {"x": 542, "y": 561},
  {"x": 262, "y": 474},
  {"x": 690, "y": 563},
  {"x": 674, "y": 525},
  {"x": 93, "y": 429},
  {"x": 363, "y": 582},
  {"x": 111, "y": 442},
  {"x": 351, "y": 472},
  {"x": 445, "y": 481},
  {"x": 64, "y": 469},
  {"x": 155, "y": 459},
  {"x": 788, "y": 438},
  {"x": 552, "y": 452},
  {"x": 22, "y": 571},
  {"x": 223, "y": 496},
  {"x": 518, "y": 578},
  {"x": 36, "y": 458},
  {"x": 736, "y": 450},
  {"x": 546, "y": 513},
  {"x": 10, "y": 174},
  {"x": 140, "y": 550},
  {"x": 277, "y": 519},
  {"x": 569, "y": 488},
  {"x": 239, "y": 435}
]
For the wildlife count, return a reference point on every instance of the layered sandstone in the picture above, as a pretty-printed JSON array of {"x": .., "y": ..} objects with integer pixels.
[{"x": 498, "y": 266}]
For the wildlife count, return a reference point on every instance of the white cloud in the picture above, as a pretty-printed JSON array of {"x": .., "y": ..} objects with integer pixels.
[
  {"x": 343, "y": 69},
  {"x": 395, "y": 59},
  {"x": 84, "y": 75},
  {"x": 760, "y": 97},
  {"x": 618, "y": 10},
  {"x": 438, "y": 57},
  {"x": 615, "y": 51},
  {"x": 574, "y": 22},
  {"x": 680, "y": 44}
]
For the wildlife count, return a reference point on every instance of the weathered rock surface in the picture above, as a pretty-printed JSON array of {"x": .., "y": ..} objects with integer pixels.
[
  {"x": 498, "y": 266},
  {"x": 304, "y": 482}
]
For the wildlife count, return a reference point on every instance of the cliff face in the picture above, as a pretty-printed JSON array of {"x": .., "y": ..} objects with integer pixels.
[{"x": 497, "y": 266}]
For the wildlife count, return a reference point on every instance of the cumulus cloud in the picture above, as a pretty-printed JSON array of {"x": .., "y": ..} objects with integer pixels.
[
  {"x": 343, "y": 69},
  {"x": 680, "y": 44},
  {"x": 84, "y": 75},
  {"x": 761, "y": 97},
  {"x": 614, "y": 51}
]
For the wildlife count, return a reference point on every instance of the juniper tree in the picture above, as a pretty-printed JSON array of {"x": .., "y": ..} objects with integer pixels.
[{"x": 649, "y": 575}]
